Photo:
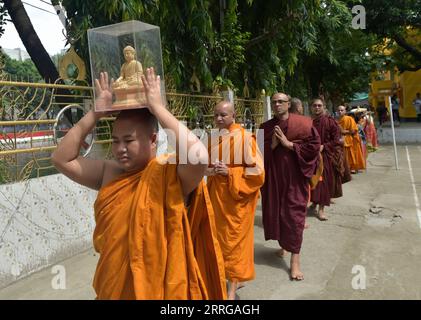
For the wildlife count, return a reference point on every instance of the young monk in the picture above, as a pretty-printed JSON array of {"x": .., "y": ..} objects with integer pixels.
[
  {"x": 155, "y": 230},
  {"x": 291, "y": 149},
  {"x": 234, "y": 181}
]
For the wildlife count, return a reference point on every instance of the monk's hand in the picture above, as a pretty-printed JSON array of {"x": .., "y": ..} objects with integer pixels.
[
  {"x": 221, "y": 169},
  {"x": 103, "y": 95},
  {"x": 283, "y": 139},
  {"x": 321, "y": 148},
  {"x": 210, "y": 171},
  {"x": 275, "y": 140},
  {"x": 152, "y": 84}
]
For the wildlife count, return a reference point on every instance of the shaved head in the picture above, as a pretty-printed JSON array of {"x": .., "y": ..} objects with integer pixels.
[
  {"x": 280, "y": 103},
  {"x": 224, "y": 114},
  {"x": 134, "y": 138},
  {"x": 341, "y": 111},
  {"x": 142, "y": 117},
  {"x": 225, "y": 105}
]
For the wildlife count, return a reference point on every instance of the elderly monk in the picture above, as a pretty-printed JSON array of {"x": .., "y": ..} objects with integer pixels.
[
  {"x": 234, "y": 180},
  {"x": 155, "y": 229},
  {"x": 291, "y": 149},
  {"x": 330, "y": 138},
  {"x": 352, "y": 143}
]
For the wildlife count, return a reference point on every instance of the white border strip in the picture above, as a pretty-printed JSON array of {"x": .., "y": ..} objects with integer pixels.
[{"x": 417, "y": 202}]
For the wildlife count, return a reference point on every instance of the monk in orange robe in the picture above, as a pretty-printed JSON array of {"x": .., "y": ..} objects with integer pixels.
[
  {"x": 155, "y": 227},
  {"x": 234, "y": 188},
  {"x": 352, "y": 143}
]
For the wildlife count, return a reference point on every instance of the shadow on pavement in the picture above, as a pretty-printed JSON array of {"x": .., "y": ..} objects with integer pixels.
[{"x": 267, "y": 256}]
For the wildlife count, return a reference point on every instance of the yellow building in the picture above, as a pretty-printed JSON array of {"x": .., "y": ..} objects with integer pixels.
[{"x": 405, "y": 85}]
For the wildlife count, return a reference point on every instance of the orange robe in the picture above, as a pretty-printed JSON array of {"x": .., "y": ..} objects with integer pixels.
[
  {"x": 371, "y": 133},
  {"x": 234, "y": 199},
  {"x": 352, "y": 144},
  {"x": 150, "y": 245}
]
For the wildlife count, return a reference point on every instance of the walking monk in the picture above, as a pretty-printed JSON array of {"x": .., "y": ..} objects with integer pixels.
[
  {"x": 352, "y": 143},
  {"x": 330, "y": 138},
  {"x": 291, "y": 149},
  {"x": 155, "y": 229},
  {"x": 234, "y": 180}
]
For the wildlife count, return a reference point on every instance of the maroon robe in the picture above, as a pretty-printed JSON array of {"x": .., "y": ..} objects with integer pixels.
[
  {"x": 285, "y": 192},
  {"x": 330, "y": 136}
]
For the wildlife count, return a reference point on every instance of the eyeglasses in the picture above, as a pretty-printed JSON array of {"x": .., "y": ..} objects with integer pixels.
[
  {"x": 279, "y": 101},
  {"x": 317, "y": 105}
]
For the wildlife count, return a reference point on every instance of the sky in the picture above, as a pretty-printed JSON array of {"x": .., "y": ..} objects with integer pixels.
[{"x": 47, "y": 26}]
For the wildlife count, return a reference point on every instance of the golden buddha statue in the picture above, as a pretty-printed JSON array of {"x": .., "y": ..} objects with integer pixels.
[{"x": 128, "y": 88}]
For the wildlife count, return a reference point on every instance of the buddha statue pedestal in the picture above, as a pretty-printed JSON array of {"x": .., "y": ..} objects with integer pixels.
[{"x": 129, "y": 97}]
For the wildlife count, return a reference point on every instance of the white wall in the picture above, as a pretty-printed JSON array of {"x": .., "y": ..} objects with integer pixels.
[{"x": 42, "y": 221}]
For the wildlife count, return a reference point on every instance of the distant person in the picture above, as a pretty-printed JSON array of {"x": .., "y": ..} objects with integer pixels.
[
  {"x": 381, "y": 113},
  {"x": 330, "y": 137},
  {"x": 395, "y": 108},
  {"x": 417, "y": 105},
  {"x": 352, "y": 143},
  {"x": 296, "y": 106},
  {"x": 370, "y": 132}
]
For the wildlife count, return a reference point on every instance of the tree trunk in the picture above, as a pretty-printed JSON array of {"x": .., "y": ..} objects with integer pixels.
[
  {"x": 32, "y": 43},
  {"x": 408, "y": 47}
]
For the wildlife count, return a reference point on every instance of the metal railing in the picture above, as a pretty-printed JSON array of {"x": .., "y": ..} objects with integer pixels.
[{"x": 28, "y": 111}]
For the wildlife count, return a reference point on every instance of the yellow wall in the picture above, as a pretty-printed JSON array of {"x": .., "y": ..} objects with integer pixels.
[
  {"x": 405, "y": 85},
  {"x": 377, "y": 92},
  {"x": 410, "y": 83}
]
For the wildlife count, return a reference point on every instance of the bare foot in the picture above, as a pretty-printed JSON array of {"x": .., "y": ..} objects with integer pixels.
[
  {"x": 306, "y": 226},
  {"x": 296, "y": 273},
  {"x": 232, "y": 287},
  {"x": 332, "y": 201},
  {"x": 311, "y": 209},
  {"x": 241, "y": 285},
  {"x": 281, "y": 253},
  {"x": 321, "y": 215}
]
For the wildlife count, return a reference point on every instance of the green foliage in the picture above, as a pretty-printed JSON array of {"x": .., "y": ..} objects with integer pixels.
[
  {"x": 303, "y": 47},
  {"x": 397, "y": 25},
  {"x": 3, "y": 18},
  {"x": 21, "y": 70}
]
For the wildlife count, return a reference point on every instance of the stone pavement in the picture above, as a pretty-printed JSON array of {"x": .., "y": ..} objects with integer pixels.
[{"x": 384, "y": 244}]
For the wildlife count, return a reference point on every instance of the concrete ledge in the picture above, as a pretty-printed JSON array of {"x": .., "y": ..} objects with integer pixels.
[{"x": 405, "y": 133}]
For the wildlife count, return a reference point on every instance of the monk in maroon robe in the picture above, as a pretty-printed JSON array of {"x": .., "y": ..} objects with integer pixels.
[
  {"x": 330, "y": 138},
  {"x": 291, "y": 153}
]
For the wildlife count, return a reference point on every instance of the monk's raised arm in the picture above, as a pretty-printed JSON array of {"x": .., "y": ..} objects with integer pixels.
[
  {"x": 66, "y": 159},
  {"x": 189, "y": 147},
  {"x": 87, "y": 172}
]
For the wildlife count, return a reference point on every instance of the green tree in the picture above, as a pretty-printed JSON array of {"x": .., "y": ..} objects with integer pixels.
[
  {"x": 303, "y": 47},
  {"x": 21, "y": 70},
  {"x": 397, "y": 25}
]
